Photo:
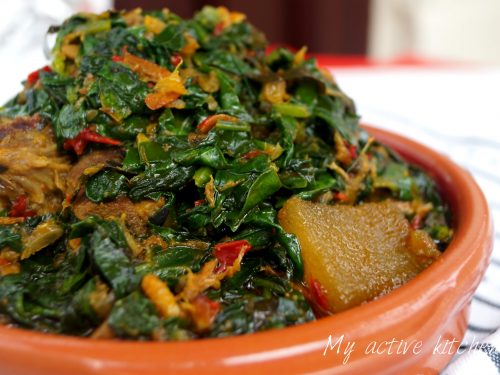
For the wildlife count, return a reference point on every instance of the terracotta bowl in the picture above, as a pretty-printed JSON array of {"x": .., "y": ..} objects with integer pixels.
[{"x": 425, "y": 319}]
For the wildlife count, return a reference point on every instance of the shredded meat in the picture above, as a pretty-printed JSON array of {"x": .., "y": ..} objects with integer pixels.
[
  {"x": 136, "y": 214},
  {"x": 31, "y": 165}
]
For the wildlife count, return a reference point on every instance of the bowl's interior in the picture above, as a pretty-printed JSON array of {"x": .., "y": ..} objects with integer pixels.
[{"x": 445, "y": 288}]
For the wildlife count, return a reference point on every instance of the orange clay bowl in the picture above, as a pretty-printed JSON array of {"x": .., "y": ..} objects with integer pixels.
[{"x": 428, "y": 315}]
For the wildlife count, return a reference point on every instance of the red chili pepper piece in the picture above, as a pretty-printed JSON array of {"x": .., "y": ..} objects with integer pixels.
[
  {"x": 79, "y": 143},
  {"x": 218, "y": 28},
  {"x": 175, "y": 59},
  {"x": 4, "y": 262},
  {"x": 35, "y": 75},
  {"x": 212, "y": 305},
  {"x": 252, "y": 154},
  {"x": 19, "y": 208},
  {"x": 318, "y": 293},
  {"x": 92, "y": 136},
  {"x": 76, "y": 144},
  {"x": 117, "y": 58},
  {"x": 353, "y": 150},
  {"x": 227, "y": 252},
  {"x": 340, "y": 196},
  {"x": 206, "y": 125},
  {"x": 205, "y": 311},
  {"x": 416, "y": 221},
  {"x": 199, "y": 202}
]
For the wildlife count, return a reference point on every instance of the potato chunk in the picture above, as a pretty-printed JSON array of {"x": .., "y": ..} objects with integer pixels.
[{"x": 356, "y": 252}]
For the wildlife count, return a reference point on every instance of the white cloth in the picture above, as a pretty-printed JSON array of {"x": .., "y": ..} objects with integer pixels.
[
  {"x": 456, "y": 111},
  {"x": 480, "y": 358},
  {"x": 23, "y": 29}
]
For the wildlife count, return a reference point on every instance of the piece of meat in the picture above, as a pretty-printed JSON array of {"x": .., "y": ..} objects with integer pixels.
[
  {"x": 30, "y": 164},
  {"x": 136, "y": 214},
  {"x": 92, "y": 159}
]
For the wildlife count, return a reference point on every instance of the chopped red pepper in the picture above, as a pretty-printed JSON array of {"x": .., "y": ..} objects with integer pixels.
[
  {"x": 318, "y": 293},
  {"x": 79, "y": 143},
  {"x": 4, "y": 262},
  {"x": 175, "y": 59},
  {"x": 19, "y": 208},
  {"x": 204, "y": 311},
  {"x": 340, "y": 196},
  {"x": 416, "y": 221},
  {"x": 92, "y": 136},
  {"x": 218, "y": 28},
  {"x": 199, "y": 202},
  {"x": 117, "y": 58},
  {"x": 35, "y": 75},
  {"x": 252, "y": 154},
  {"x": 227, "y": 252},
  {"x": 353, "y": 150},
  {"x": 206, "y": 125},
  {"x": 76, "y": 144}
]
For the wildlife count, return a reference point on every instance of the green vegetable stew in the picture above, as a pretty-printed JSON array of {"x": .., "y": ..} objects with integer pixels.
[{"x": 142, "y": 172}]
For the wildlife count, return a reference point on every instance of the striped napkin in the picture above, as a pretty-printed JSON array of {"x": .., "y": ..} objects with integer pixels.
[
  {"x": 482, "y": 357},
  {"x": 454, "y": 110}
]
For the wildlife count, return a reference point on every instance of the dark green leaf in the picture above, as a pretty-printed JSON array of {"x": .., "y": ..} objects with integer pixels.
[
  {"x": 114, "y": 265},
  {"x": 9, "y": 237},
  {"x": 105, "y": 185},
  {"x": 172, "y": 37},
  {"x": 134, "y": 317}
]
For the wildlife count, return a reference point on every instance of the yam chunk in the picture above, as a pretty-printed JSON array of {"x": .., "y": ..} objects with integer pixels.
[{"x": 356, "y": 252}]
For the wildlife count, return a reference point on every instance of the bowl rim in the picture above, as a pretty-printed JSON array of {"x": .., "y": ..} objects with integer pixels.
[{"x": 279, "y": 344}]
